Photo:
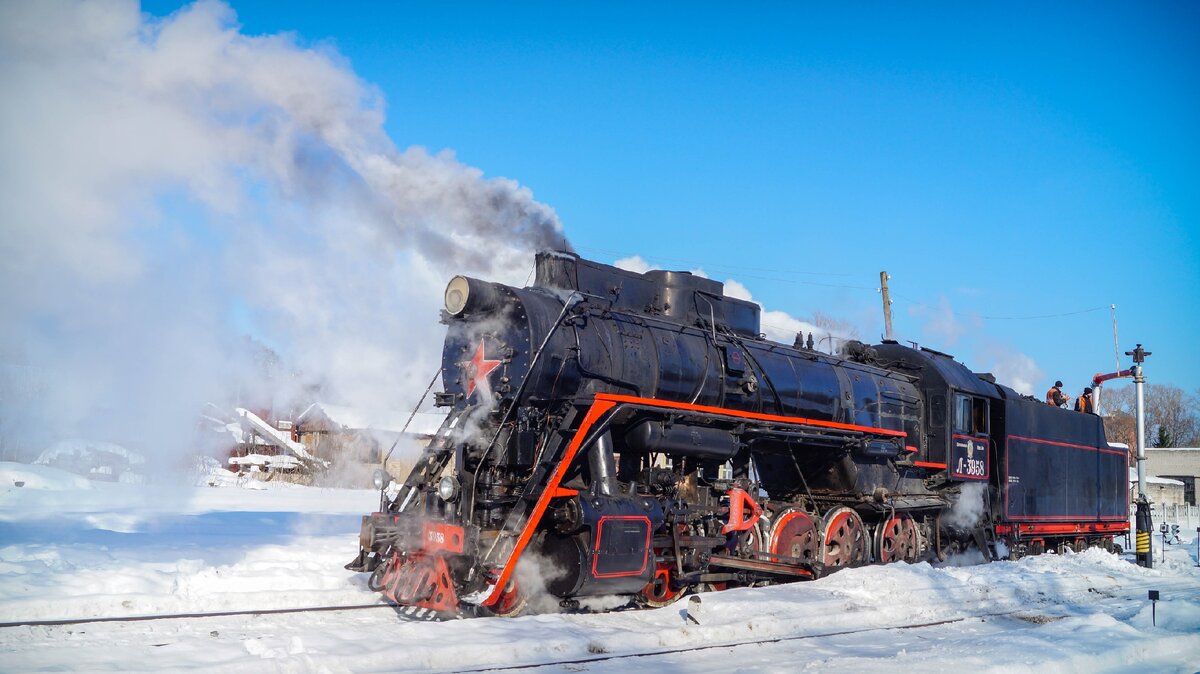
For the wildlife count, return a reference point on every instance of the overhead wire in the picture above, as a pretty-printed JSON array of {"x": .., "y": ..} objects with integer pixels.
[
  {"x": 741, "y": 269},
  {"x": 958, "y": 314},
  {"x": 721, "y": 265}
]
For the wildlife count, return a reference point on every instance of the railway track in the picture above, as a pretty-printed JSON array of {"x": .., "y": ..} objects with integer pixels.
[
  {"x": 377, "y": 605},
  {"x": 188, "y": 616},
  {"x": 1096, "y": 597},
  {"x": 1127, "y": 593},
  {"x": 729, "y": 644}
]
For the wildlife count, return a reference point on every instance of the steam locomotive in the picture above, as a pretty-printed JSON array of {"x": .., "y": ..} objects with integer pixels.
[{"x": 639, "y": 436}]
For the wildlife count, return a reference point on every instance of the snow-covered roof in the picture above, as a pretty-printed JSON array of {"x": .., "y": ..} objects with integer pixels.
[
  {"x": 426, "y": 423},
  {"x": 353, "y": 418},
  {"x": 280, "y": 461},
  {"x": 1173, "y": 449},
  {"x": 1153, "y": 479}
]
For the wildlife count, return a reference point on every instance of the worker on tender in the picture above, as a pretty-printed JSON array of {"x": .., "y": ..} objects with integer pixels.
[
  {"x": 1055, "y": 396},
  {"x": 1084, "y": 402}
]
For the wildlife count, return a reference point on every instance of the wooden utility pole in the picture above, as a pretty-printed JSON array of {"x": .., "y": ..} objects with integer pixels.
[{"x": 887, "y": 304}]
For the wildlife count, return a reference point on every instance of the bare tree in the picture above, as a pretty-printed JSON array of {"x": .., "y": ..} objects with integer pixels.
[
  {"x": 1172, "y": 416},
  {"x": 1120, "y": 427}
]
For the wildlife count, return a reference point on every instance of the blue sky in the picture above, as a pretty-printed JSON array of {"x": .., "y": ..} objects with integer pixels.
[{"x": 1000, "y": 163}]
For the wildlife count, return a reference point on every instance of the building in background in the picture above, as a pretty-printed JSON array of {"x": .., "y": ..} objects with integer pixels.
[
  {"x": 342, "y": 435},
  {"x": 1181, "y": 464}
]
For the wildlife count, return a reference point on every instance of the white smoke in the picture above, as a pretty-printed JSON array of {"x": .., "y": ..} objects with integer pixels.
[
  {"x": 969, "y": 508},
  {"x": 168, "y": 182},
  {"x": 534, "y": 574}
]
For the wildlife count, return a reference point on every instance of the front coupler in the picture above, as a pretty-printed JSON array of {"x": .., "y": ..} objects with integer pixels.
[{"x": 407, "y": 558}]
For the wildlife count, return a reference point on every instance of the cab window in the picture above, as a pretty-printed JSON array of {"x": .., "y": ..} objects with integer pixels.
[
  {"x": 979, "y": 416},
  {"x": 970, "y": 415}
]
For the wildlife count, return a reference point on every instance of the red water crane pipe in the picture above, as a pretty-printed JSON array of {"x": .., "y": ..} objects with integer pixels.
[
  {"x": 1099, "y": 379},
  {"x": 1098, "y": 384}
]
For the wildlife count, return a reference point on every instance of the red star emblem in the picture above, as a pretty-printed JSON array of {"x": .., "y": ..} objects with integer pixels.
[{"x": 478, "y": 369}]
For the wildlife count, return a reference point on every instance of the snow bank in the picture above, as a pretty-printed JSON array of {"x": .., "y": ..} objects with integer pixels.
[
  {"x": 132, "y": 550},
  {"x": 28, "y": 476}
]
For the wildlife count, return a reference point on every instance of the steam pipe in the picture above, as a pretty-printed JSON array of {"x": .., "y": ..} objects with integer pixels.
[{"x": 602, "y": 465}]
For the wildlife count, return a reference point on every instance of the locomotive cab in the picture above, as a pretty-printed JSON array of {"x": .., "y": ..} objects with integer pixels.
[{"x": 959, "y": 407}]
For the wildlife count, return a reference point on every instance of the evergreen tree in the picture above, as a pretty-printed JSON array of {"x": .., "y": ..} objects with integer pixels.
[{"x": 1163, "y": 437}]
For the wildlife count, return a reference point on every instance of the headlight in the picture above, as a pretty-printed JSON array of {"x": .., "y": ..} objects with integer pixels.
[
  {"x": 448, "y": 489},
  {"x": 457, "y": 292},
  {"x": 470, "y": 295},
  {"x": 381, "y": 478}
]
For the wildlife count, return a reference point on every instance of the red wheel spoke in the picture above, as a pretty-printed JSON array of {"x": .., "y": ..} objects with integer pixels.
[
  {"x": 845, "y": 540},
  {"x": 897, "y": 540},
  {"x": 794, "y": 535}
]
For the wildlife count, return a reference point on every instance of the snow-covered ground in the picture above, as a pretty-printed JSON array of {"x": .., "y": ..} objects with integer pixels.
[{"x": 71, "y": 549}]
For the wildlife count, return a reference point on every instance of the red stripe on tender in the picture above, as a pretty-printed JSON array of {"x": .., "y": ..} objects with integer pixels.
[
  {"x": 1067, "y": 444},
  {"x": 929, "y": 464},
  {"x": 1067, "y": 528},
  {"x": 1081, "y": 518}
]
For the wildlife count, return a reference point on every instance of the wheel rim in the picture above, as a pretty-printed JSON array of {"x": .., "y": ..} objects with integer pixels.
[
  {"x": 755, "y": 540},
  {"x": 896, "y": 540},
  {"x": 511, "y": 602},
  {"x": 658, "y": 592},
  {"x": 845, "y": 541},
  {"x": 795, "y": 535}
]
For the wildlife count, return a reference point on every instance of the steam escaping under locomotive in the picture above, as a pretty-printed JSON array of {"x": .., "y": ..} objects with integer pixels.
[{"x": 638, "y": 433}]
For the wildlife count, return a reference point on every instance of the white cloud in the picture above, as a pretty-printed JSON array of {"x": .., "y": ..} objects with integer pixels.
[
  {"x": 780, "y": 326},
  {"x": 639, "y": 265},
  {"x": 633, "y": 263},
  {"x": 946, "y": 328},
  {"x": 738, "y": 291},
  {"x": 940, "y": 322},
  {"x": 1011, "y": 367}
]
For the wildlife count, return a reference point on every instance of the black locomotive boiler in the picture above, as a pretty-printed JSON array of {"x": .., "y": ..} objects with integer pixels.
[{"x": 639, "y": 436}]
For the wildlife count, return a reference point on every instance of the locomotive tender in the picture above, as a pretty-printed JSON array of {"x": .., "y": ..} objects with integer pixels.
[{"x": 637, "y": 432}]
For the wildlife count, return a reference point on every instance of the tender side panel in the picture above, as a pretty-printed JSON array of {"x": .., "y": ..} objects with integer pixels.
[{"x": 1058, "y": 467}]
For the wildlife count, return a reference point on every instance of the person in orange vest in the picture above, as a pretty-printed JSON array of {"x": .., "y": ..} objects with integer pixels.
[
  {"x": 1084, "y": 402},
  {"x": 1055, "y": 395}
]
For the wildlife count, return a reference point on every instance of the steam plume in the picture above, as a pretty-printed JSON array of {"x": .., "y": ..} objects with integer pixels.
[{"x": 169, "y": 182}]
